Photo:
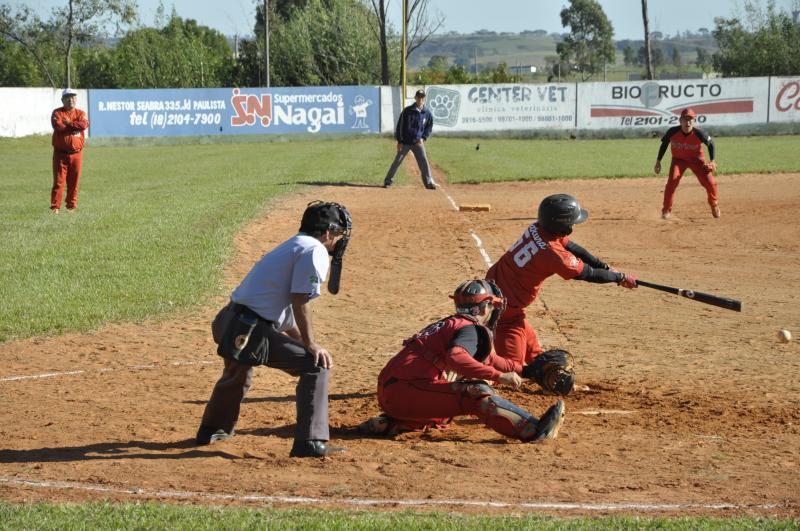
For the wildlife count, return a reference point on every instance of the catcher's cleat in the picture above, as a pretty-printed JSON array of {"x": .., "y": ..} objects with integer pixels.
[
  {"x": 550, "y": 423},
  {"x": 381, "y": 425},
  {"x": 715, "y": 211}
]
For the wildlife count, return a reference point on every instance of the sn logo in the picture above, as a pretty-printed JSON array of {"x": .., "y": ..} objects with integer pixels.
[{"x": 248, "y": 106}]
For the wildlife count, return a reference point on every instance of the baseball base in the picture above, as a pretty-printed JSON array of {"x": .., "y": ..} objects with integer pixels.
[{"x": 475, "y": 207}]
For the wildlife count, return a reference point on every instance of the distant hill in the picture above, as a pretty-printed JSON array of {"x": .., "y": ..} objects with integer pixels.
[{"x": 531, "y": 48}]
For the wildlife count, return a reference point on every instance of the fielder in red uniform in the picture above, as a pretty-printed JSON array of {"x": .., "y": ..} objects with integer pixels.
[
  {"x": 686, "y": 142},
  {"x": 543, "y": 250},
  {"x": 441, "y": 373},
  {"x": 69, "y": 127}
]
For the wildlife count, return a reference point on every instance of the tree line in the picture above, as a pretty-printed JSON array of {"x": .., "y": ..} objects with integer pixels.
[{"x": 335, "y": 42}]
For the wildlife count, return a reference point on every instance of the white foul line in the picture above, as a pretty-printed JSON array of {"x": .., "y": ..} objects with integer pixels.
[
  {"x": 483, "y": 252},
  {"x": 559, "y": 506},
  {"x": 70, "y": 373}
]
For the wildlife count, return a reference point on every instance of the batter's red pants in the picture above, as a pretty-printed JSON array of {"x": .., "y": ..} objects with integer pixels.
[
  {"x": 514, "y": 337},
  {"x": 417, "y": 404},
  {"x": 66, "y": 168},
  {"x": 676, "y": 170}
]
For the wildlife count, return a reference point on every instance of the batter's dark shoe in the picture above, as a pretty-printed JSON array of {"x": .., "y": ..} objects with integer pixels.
[
  {"x": 387, "y": 184},
  {"x": 431, "y": 185},
  {"x": 314, "y": 449},
  {"x": 550, "y": 423},
  {"x": 208, "y": 435}
]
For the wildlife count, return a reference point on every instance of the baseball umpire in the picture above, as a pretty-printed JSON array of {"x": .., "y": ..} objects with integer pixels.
[
  {"x": 544, "y": 249},
  {"x": 441, "y": 373},
  {"x": 686, "y": 142},
  {"x": 268, "y": 322},
  {"x": 412, "y": 131}
]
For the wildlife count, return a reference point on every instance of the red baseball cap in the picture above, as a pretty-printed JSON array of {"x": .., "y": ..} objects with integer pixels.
[{"x": 688, "y": 111}]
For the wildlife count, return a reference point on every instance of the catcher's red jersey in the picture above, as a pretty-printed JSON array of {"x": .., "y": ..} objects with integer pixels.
[
  {"x": 430, "y": 352},
  {"x": 535, "y": 256},
  {"x": 685, "y": 146}
]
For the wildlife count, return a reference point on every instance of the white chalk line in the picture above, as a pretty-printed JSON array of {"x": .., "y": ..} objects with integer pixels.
[
  {"x": 481, "y": 249},
  {"x": 305, "y": 500},
  {"x": 126, "y": 368}
]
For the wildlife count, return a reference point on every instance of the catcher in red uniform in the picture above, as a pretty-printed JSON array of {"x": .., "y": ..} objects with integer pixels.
[
  {"x": 686, "y": 142},
  {"x": 544, "y": 250},
  {"x": 441, "y": 373}
]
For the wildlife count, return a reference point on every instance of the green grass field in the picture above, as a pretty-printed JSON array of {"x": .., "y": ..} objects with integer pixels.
[
  {"x": 156, "y": 516},
  {"x": 154, "y": 230},
  {"x": 155, "y": 222}
]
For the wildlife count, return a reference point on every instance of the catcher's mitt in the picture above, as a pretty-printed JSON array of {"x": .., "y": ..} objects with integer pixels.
[{"x": 553, "y": 370}]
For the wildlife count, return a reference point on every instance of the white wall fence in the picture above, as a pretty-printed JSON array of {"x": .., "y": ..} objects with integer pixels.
[{"x": 470, "y": 108}]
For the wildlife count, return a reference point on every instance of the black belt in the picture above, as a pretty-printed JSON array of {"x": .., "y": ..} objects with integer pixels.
[
  {"x": 241, "y": 308},
  {"x": 71, "y": 152}
]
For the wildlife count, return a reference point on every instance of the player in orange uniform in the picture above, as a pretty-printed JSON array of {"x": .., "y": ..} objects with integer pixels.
[
  {"x": 69, "y": 127},
  {"x": 440, "y": 373},
  {"x": 543, "y": 250},
  {"x": 686, "y": 142}
]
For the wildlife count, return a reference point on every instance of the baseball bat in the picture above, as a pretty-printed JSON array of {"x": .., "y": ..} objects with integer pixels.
[{"x": 722, "y": 302}]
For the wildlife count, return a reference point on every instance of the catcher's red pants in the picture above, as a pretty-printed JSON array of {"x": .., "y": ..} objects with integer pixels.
[
  {"x": 676, "y": 170},
  {"x": 514, "y": 337},
  {"x": 417, "y": 404},
  {"x": 66, "y": 169}
]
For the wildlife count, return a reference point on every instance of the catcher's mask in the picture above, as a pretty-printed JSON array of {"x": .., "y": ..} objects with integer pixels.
[
  {"x": 472, "y": 296},
  {"x": 559, "y": 212}
]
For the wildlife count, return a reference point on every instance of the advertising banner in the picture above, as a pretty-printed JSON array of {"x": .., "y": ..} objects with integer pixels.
[
  {"x": 234, "y": 111},
  {"x": 784, "y": 99},
  {"x": 502, "y": 107},
  {"x": 658, "y": 103}
]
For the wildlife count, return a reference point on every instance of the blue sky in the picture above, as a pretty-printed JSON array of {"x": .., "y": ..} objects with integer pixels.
[{"x": 233, "y": 17}]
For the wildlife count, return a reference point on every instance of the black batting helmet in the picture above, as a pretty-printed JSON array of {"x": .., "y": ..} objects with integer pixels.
[{"x": 559, "y": 212}]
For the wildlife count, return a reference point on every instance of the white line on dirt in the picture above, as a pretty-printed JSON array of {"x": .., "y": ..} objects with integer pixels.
[
  {"x": 304, "y": 500},
  {"x": 127, "y": 368},
  {"x": 483, "y": 252}
]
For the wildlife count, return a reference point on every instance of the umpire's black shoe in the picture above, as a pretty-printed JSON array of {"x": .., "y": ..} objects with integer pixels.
[
  {"x": 208, "y": 435},
  {"x": 431, "y": 185},
  {"x": 313, "y": 449},
  {"x": 387, "y": 184}
]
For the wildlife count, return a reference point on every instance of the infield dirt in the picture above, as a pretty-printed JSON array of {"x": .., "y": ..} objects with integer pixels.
[{"x": 678, "y": 402}]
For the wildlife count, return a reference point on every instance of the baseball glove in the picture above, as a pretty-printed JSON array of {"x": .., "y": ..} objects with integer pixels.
[{"x": 553, "y": 370}]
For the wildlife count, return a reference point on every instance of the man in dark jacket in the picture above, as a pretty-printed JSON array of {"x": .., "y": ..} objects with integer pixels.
[{"x": 413, "y": 129}]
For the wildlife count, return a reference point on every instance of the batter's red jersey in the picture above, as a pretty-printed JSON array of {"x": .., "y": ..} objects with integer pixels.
[
  {"x": 685, "y": 146},
  {"x": 535, "y": 256},
  {"x": 431, "y": 352}
]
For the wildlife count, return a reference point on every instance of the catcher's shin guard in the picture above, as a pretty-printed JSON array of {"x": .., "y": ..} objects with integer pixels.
[
  {"x": 550, "y": 423},
  {"x": 507, "y": 418}
]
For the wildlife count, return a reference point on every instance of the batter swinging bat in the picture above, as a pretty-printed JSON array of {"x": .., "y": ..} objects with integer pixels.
[{"x": 722, "y": 302}]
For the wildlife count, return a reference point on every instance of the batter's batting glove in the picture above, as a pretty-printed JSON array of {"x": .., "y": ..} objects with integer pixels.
[
  {"x": 710, "y": 166},
  {"x": 628, "y": 281}
]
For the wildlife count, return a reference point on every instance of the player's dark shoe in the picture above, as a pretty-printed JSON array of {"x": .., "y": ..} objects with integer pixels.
[
  {"x": 382, "y": 425},
  {"x": 550, "y": 423},
  {"x": 314, "y": 449},
  {"x": 431, "y": 185},
  {"x": 208, "y": 435},
  {"x": 387, "y": 184}
]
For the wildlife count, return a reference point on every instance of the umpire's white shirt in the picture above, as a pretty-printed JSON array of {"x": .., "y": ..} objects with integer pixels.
[{"x": 298, "y": 265}]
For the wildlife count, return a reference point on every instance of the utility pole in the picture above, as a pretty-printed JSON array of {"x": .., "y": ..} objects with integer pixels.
[
  {"x": 266, "y": 41},
  {"x": 403, "y": 63},
  {"x": 476, "y": 63},
  {"x": 648, "y": 58}
]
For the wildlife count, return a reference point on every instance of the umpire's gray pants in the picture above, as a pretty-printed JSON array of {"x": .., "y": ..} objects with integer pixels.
[
  {"x": 290, "y": 356},
  {"x": 422, "y": 162}
]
